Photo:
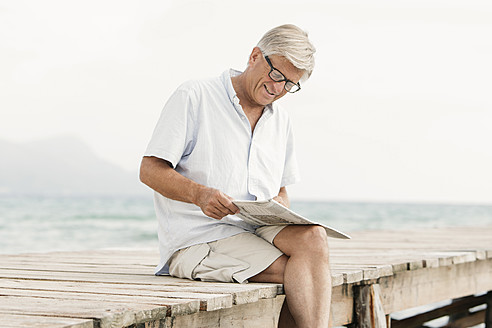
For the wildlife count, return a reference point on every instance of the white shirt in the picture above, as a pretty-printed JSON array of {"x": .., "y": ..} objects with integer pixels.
[{"x": 204, "y": 133}]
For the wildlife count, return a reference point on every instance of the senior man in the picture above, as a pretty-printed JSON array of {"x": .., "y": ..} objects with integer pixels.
[{"x": 225, "y": 138}]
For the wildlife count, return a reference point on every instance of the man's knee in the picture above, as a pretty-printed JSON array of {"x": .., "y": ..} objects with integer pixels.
[
  {"x": 310, "y": 239},
  {"x": 314, "y": 239}
]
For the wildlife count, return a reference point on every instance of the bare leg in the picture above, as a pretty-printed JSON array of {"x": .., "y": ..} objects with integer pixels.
[
  {"x": 306, "y": 275},
  {"x": 275, "y": 273},
  {"x": 286, "y": 319}
]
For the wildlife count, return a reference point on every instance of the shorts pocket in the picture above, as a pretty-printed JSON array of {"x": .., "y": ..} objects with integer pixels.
[
  {"x": 184, "y": 261},
  {"x": 218, "y": 267}
]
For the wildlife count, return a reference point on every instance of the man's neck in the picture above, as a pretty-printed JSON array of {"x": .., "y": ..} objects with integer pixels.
[
  {"x": 252, "y": 110},
  {"x": 239, "y": 83}
]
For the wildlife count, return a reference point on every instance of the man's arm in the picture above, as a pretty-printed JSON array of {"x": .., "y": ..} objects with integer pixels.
[
  {"x": 160, "y": 176},
  {"x": 282, "y": 197}
]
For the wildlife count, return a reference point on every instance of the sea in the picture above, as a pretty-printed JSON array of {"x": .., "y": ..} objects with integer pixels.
[{"x": 46, "y": 223}]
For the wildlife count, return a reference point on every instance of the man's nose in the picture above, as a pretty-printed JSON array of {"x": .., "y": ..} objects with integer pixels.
[{"x": 278, "y": 87}]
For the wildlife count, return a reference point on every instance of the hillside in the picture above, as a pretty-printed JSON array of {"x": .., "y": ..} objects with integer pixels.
[{"x": 61, "y": 166}]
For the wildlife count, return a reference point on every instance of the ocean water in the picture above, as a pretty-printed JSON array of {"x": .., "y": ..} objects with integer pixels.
[{"x": 38, "y": 224}]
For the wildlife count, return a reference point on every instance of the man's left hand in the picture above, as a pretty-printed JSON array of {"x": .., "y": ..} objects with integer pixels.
[{"x": 280, "y": 200}]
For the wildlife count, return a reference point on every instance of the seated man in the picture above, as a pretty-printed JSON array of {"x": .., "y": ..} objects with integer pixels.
[{"x": 223, "y": 139}]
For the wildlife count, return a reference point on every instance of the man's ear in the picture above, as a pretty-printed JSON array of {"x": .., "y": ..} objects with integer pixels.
[{"x": 255, "y": 55}]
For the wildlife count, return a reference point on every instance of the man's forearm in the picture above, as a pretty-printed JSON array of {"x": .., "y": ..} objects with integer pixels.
[{"x": 160, "y": 176}]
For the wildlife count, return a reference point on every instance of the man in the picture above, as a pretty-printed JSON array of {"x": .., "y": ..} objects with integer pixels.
[{"x": 223, "y": 139}]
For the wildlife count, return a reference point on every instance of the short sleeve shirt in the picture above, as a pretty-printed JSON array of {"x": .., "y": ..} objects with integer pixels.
[{"x": 204, "y": 133}]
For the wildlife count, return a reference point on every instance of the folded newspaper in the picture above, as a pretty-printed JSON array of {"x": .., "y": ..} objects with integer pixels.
[{"x": 270, "y": 212}]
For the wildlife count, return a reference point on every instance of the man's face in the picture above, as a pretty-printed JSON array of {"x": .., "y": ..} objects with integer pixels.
[{"x": 264, "y": 90}]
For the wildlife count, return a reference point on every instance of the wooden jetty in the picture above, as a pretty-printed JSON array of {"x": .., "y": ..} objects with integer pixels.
[{"x": 375, "y": 274}]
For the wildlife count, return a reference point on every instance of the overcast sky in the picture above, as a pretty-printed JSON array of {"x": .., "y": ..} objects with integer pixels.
[{"x": 399, "y": 106}]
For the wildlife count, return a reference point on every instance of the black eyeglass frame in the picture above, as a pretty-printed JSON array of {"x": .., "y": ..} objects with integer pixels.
[{"x": 287, "y": 81}]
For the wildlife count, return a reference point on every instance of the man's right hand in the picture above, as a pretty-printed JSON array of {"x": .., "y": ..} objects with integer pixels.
[{"x": 214, "y": 203}]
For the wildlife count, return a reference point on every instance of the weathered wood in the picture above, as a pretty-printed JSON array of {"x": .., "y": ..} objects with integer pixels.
[
  {"x": 337, "y": 278},
  {"x": 388, "y": 321},
  {"x": 175, "y": 306},
  {"x": 412, "y": 268},
  {"x": 368, "y": 272},
  {"x": 349, "y": 275},
  {"x": 488, "y": 312},
  {"x": 414, "y": 288},
  {"x": 342, "y": 305},
  {"x": 264, "y": 314},
  {"x": 208, "y": 300},
  {"x": 106, "y": 314},
  {"x": 459, "y": 306},
  {"x": 21, "y": 321},
  {"x": 369, "y": 311},
  {"x": 241, "y": 293},
  {"x": 81, "y": 268},
  {"x": 468, "y": 320}
]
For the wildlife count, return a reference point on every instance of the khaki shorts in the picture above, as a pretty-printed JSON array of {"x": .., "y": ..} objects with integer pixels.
[{"x": 236, "y": 258}]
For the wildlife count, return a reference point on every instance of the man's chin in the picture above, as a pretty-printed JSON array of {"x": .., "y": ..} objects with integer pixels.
[
  {"x": 268, "y": 100},
  {"x": 266, "y": 103}
]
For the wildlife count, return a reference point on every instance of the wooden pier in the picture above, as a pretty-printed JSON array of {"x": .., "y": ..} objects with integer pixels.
[{"x": 374, "y": 274}]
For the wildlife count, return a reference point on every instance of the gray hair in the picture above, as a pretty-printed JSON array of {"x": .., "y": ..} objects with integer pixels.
[{"x": 291, "y": 42}]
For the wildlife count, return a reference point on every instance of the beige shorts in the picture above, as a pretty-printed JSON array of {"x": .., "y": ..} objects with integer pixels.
[{"x": 236, "y": 258}]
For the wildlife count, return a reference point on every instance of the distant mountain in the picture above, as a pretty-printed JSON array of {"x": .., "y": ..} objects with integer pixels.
[{"x": 61, "y": 166}]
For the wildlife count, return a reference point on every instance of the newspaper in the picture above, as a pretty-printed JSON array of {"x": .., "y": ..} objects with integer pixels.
[{"x": 270, "y": 212}]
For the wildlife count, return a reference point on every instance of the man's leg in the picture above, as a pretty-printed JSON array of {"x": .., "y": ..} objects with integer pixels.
[{"x": 305, "y": 273}]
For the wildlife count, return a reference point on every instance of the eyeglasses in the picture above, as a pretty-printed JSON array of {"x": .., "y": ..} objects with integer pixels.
[{"x": 277, "y": 76}]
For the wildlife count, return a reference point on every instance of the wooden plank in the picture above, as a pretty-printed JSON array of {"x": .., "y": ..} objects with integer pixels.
[
  {"x": 432, "y": 243},
  {"x": 414, "y": 288},
  {"x": 32, "y": 262},
  {"x": 388, "y": 257},
  {"x": 175, "y": 306},
  {"x": 369, "y": 311},
  {"x": 377, "y": 242},
  {"x": 399, "y": 262},
  {"x": 241, "y": 293},
  {"x": 208, "y": 301},
  {"x": 458, "y": 306},
  {"x": 416, "y": 265},
  {"x": 399, "y": 266},
  {"x": 89, "y": 257},
  {"x": 107, "y": 314},
  {"x": 431, "y": 262},
  {"x": 22, "y": 321},
  {"x": 470, "y": 320},
  {"x": 78, "y": 268},
  {"x": 336, "y": 279},
  {"x": 368, "y": 272},
  {"x": 488, "y": 312},
  {"x": 349, "y": 275},
  {"x": 263, "y": 314},
  {"x": 481, "y": 254},
  {"x": 120, "y": 252},
  {"x": 415, "y": 260}
]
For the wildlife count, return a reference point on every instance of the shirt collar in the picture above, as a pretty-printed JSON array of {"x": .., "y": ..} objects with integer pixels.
[{"x": 226, "y": 80}]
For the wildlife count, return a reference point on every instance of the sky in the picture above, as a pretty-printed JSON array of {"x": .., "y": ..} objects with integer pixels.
[{"x": 398, "y": 109}]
